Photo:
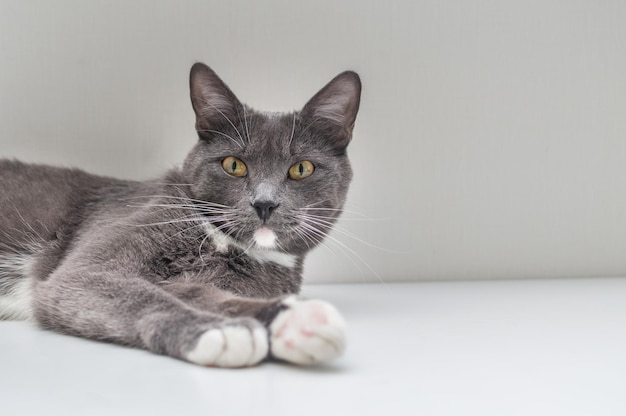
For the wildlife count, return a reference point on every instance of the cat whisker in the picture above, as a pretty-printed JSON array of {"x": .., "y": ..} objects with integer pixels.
[
  {"x": 293, "y": 130},
  {"x": 279, "y": 246},
  {"x": 306, "y": 129},
  {"x": 315, "y": 203},
  {"x": 336, "y": 212},
  {"x": 207, "y": 210},
  {"x": 245, "y": 250},
  {"x": 311, "y": 239},
  {"x": 195, "y": 201},
  {"x": 313, "y": 207},
  {"x": 206, "y": 237},
  {"x": 186, "y": 219},
  {"x": 220, "y": 228},
  {"x": 184, "y": 230},
  {"x": 302, "y": 236},
  {"x": 332, "y": 226},
  {"x": 318, "y": 238},
  {"x": 178, "y": 221},
  {"x": 202, "y": 221},
  {"x": 225, "y": 225},
  {"x": 237, "y": 235},
  {"x": 347, "y": 251},
  {"x": 195, "y": 208},
  {"x": 172, "y": 184},
  {"x": 245, "y": 123},
  {"x": 228, "y": 224},
  {"x": 333, "y": 217}
]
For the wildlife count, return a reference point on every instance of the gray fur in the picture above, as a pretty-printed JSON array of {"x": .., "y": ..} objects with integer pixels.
[{"x": 133, "y": 263}]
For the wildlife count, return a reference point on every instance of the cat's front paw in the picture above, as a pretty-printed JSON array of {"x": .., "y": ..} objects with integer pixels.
[
  {"x": 307, "y": 332},
  {"x": 234, "y": 343}
]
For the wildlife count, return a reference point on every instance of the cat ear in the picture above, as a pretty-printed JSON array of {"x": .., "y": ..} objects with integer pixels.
[
  {"x": 213, "y": 102},
  {"x": 334, "y": 107}
]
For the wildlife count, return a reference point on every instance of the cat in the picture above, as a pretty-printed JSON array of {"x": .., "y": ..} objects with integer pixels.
[{"x": 203, "y": 264}]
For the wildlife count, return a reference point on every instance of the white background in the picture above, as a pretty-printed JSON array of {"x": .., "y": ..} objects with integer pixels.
[
  {"x": 491, "y": 141},
  {"x": 514, "y": 348}
]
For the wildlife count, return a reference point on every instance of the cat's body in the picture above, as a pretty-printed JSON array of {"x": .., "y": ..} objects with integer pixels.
[{"x": 200, "y": 264}]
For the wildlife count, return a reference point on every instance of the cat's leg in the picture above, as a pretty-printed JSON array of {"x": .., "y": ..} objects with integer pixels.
[
  {"x": 300, "y": 331},
  {"x": 131, "y": 311}
]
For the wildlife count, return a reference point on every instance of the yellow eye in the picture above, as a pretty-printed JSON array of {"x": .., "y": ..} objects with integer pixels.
[
  {"x": 234, "y": 166},
  {"x": 301, "y": 170}
]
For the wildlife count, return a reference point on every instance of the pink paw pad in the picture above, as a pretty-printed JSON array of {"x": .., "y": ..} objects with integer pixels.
[
  {"x": 318, "y": 314},
  {"x": 307, "y": 331}
]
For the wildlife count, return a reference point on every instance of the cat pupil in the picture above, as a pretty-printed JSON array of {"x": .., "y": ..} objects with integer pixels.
[
  {"x": 301, "y": 169},
  {"x": 234, "y": 166}
]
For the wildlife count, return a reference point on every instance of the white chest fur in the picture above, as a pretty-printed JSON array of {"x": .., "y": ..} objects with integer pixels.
[{"x": 16, "y": 287}]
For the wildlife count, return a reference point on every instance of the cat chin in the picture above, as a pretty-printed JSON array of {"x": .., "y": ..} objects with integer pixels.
[{"x": 265, "y": 237}]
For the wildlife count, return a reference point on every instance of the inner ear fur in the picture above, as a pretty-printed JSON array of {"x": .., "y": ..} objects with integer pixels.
[
  {"x": 213, "y": 102},
  {"x": 334, "y": 107}
]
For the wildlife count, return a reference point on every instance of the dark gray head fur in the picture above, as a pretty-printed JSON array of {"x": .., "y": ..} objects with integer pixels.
[{"x": 301, "y": 212}]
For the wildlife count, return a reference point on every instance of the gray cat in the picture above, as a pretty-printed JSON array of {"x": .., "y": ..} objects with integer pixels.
[{"x": 202, "y": 264}]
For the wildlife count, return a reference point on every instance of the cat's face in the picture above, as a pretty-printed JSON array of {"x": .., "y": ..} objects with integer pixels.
[{"x": 274, "y": 181}]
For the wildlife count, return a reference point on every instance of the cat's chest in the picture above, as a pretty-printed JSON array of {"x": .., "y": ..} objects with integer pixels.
[{"x": 259, "y": 273}]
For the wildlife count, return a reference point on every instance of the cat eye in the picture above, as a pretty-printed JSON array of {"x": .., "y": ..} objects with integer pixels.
[
  {"x": 234, "y": 166},
  {"x": 301, "y": 170}
]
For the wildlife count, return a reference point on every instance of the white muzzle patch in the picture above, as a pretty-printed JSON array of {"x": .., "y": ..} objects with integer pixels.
[{"x": 265, "y": 237}]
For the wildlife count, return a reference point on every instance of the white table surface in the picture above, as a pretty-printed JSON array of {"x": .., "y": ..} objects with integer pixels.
[{"x": 549, "y": 347}]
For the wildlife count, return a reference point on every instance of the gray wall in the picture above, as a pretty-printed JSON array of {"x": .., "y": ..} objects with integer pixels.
[{"x": 491, "y": 141}]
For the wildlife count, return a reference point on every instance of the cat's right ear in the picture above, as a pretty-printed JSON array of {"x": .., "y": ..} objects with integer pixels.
[
  {"x": 213, "y": 102},
  {"x": 334, "y": 107}
]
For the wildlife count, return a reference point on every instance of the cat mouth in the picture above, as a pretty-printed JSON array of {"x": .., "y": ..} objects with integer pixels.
[{"x": 263, "y": 237}]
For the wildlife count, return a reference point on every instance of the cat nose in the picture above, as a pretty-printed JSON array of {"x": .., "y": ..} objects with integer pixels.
[{"x": 264, "y": 209}]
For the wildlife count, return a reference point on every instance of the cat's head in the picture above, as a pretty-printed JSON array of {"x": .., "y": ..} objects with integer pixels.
[{"x": 274, "y": 180}]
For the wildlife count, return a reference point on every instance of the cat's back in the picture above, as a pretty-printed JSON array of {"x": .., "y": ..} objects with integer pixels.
[{"x": 35, "y": 200}]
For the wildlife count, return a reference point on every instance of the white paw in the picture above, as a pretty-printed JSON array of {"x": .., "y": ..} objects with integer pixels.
[
  {"x": 230, "y": 346},
  {"x": 307, "y": 332}
]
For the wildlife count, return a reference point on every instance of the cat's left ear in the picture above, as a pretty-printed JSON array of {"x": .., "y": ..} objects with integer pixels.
[
  {"x": 213, "y": 102},
  {"x": 334, "y": 108}
]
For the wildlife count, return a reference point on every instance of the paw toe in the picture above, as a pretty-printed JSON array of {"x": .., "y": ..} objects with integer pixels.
[
  {"x": 230, "y": 346},
  {"x": 308, "y": 332}
]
